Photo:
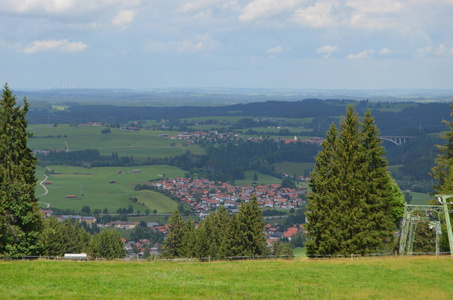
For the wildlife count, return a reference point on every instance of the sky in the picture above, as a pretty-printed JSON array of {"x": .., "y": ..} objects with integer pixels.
[{"x": 285, "y": 44}]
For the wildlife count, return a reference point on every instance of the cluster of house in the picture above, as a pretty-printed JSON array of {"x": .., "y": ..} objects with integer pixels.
[
  {"x": 139, "y": 247},
  {"x": 205, "y": 195},
  {"x": 214, "y": 135},
  {"x": 87, "y": 219},
  {"x": 273, "y": 233}
]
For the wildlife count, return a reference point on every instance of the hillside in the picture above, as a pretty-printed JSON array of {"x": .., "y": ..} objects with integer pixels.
[{"x": 362, "y": 278}]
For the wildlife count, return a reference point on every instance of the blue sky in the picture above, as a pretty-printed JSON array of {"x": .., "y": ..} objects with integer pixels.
[{"x": 297, "y": 44}]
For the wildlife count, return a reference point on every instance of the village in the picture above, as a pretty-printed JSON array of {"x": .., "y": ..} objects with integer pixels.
[{"x": 204, "y": 195}]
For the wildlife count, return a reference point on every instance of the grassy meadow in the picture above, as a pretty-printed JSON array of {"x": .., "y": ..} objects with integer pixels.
[
  {"x": 99, "y": 193},
  {"x": 360, "y": 278},
  {"x": 139, "y": 144}
]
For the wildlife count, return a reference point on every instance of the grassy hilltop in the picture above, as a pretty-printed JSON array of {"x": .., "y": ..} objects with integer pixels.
[{"x": 364, "y": 278}]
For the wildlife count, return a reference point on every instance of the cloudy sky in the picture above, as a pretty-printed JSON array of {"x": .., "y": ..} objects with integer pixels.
[{"x": 306, "y": 44}]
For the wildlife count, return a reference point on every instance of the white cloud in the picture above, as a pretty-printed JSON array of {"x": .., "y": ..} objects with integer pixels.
[
  {"x": 123, "y": 17},
  {"x": 385, "y": 51},
  {"x": 49, "y": 7},
  {"x": 56, "y": 45},
  {"x": 197, "y": 4},
  {"x": 257, "y": 9},
  {"x": 437, "y": 51},
  {"x": 376, "y": 6},
  {"x": 364, "y": 54},
  {"x": 275, "y": 50},
  {"x": 202, "y": 43},
  {"x": 319, "y": 15},
  {"x": 327, "y": 49}
]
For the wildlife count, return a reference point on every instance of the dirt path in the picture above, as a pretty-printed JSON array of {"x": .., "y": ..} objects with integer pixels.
[{"x": 46, "y": 191}]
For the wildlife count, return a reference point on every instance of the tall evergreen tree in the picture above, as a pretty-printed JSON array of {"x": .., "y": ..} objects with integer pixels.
[
  {"x": 59, "y": 238},
  {"x": 351, "y": 207},
  {"x": 20, "y": 219},
  {"x": 252, "y": 240},
  {"x": 107, "y": 244},
  {"x": 174, "y": 244},
  {"x": 188, "y": 240},
  {"x": 232, "y": 244},
  {"x": 202, "y": 241},
  {"x": 443, "y": 170}
]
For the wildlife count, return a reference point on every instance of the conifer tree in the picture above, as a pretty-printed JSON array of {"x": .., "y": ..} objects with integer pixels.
[
  {"x": 352, "y": 204},
  {"x": 251, "y": 239},
  {"x": 216, "y": 226},
  {"x": 173, "y": 245},
  {"x": 188, "y": 240},
  {"x": 202, "y": 241},
  {"x": 222, "y": 219},
  {"x": 443, "y": 170},
  {"x": 232, "y": 244},
  {"x": 107, "y": 244},
  {"x": 20, "y": 219},
  {"x": 59, "y": 238},
  {"x": 323, "y": 211}
]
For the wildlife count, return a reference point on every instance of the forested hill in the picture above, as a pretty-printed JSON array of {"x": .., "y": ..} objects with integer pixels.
[{"x": 392, "y": 118}]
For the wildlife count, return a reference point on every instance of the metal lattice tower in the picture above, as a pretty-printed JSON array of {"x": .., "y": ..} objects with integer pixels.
[{"x": 414, "y": 214}]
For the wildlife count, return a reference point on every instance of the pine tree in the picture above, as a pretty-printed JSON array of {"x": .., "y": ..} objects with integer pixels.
[
  {"x": 352, "y": 207},
  {"x": 107, "y": 244},
  {"x": 282, "y": 249},
  {"x": 20, "y": 219},
  {"x": 232, "y": 244},
  {"x": 323, "y": 211},
  {"x": 202, "y": 242},
  {"x": 173, "y": 245},
  {"x": 443, "y": 171},
  {"x": 251, "y": 239},
  {"x": 188, "y": 240}
]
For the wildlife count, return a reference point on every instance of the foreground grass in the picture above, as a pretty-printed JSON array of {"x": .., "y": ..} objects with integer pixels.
[{"x": 379, "y": 278}]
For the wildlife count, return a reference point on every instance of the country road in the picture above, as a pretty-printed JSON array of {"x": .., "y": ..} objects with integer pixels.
[{"x": 46, "y": 191}]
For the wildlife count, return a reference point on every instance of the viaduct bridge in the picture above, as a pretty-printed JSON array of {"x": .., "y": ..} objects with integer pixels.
[{"x": 397, "y": 140}]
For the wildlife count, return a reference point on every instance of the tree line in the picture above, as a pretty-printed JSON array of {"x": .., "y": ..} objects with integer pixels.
[
  {"x": 58, "y": 238},
  {"x": 220, "y": 236}
]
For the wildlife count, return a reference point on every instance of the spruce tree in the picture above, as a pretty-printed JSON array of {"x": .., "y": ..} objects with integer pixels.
[
  {"x": 174, "y": 245},
  {"x": 442, "y": 171},
  {"x": 323, "y": 211},
  {"x": 352, "y": 203},
  {"x": 107, "y": 244},
  {"x": 202, "y": 243},
  {"x": 251, "y": 239},
  {"x": 232, "y": 244},
  {"x": 188, "y": 240},
  {"x": 20, "y": 219}
]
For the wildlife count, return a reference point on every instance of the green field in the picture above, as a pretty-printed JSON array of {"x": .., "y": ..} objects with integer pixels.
[
  {"x": 420, "y": 198},
  {"x": 262, "y": 179},
  {"x": 140, "y": 144},
  {"x": 363, "y": 278},
  {"x": 292, "y": 168},
  {"x": 99, "y": 193}
]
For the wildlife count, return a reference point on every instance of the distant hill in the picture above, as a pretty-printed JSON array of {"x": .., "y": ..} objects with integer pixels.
[{"x": 223, "y": 96}]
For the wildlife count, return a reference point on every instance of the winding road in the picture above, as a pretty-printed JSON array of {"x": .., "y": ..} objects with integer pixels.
[{"x": 46, "y": 191}]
